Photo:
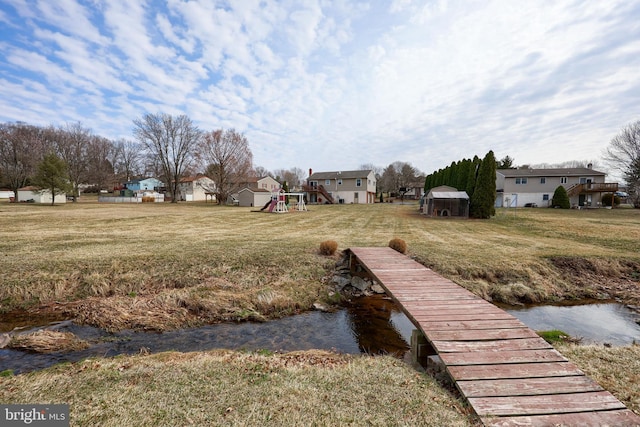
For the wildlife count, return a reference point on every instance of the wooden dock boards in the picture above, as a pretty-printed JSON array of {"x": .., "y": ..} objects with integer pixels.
[{"x": 507, "y": 373}]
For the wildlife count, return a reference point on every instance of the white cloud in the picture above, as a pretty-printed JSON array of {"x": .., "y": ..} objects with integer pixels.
[{"x": 427, "y": 82}]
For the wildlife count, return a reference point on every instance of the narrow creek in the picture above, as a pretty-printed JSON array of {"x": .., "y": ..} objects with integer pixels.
[
  {"x": 372, "y": 325},
  {"x": 593, "y": 322}
]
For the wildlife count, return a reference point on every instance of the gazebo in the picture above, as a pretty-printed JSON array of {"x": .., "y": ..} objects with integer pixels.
[{"x": 445, "y": 201}]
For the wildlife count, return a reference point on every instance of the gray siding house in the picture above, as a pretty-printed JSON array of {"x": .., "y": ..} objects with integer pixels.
[
  {"x": 520, "y": 187},
  {"x": 358, "y": 187}
]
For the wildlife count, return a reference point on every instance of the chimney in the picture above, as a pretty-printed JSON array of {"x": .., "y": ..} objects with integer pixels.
[
  {"x": 590, "y": 166},
  {"x": 310, "y": 171}
]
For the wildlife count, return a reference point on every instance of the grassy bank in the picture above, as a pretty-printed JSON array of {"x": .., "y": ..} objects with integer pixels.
[
  {"x": 162, "y": 266},
  {"x": 240, "y": 389}
]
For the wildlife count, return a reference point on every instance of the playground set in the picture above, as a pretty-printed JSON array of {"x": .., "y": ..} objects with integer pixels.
[{"x": 278, "y": 202}]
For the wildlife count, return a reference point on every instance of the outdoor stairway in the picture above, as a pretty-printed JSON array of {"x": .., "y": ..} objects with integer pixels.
[{"x": 508, "y": 374}]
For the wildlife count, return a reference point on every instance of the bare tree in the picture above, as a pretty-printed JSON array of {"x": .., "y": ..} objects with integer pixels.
[
  {"x": 129, "y": 156},
  {"x": 72, "y": 146},
  {"x": 293, "y": 177},
  {"x": 173, "y": 141},
  {"x": 21, "y": 149},
  {"x": 229, "y": 160},
  {"x": 102, "y": 157},
  {"x": 261, "y": 172},
  {"x": 400, "y": 178},
  {"x": 623, "y": 154},
  {"x": 377, "y": 170}
]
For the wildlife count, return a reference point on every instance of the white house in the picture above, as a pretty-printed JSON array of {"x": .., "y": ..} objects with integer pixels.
[
  {"x": 34, "y": 193},
  {"x": 521, "y": 187},
  {"x": 268, "y": 183},
  {"x": 196, "y": 188}
]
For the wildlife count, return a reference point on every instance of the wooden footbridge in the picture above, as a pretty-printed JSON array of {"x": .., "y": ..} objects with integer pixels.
[{"x": 508, "y": 374}]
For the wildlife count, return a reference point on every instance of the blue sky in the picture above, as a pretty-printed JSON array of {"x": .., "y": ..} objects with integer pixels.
[{"x": 332, "y": 85}]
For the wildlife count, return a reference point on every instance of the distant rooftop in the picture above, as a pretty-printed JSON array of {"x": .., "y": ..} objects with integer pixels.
[{"x": 515, "y": 173}]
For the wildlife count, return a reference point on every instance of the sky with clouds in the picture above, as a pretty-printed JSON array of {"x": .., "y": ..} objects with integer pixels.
[{"x": 332, "y": 85}]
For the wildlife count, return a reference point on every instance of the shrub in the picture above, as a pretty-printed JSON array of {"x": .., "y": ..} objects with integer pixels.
[
  {"x": 328, "y": 247},
  {"x": 398, "y": 245},
  {"x": 560, "y": 198},
  {"x": 148, "y": 199},
  {"x": 606, "y": 199}
]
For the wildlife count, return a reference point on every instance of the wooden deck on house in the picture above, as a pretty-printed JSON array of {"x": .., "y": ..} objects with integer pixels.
[{"x": 507, "y": 373}]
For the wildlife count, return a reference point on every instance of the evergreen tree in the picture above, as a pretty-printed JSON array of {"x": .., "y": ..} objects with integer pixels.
[
  {"x": 484, "y": 195},
  {"x": 463, "y": 174},
  {"x": 285, "y": 187},
  {"x": 472, "y": 176},
  {"x": 52, "y": 175},
  {"x": 560, "y": 198}
]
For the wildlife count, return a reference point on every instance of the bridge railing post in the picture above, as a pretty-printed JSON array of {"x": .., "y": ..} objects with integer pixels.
[{"x": 421, "y": 349}]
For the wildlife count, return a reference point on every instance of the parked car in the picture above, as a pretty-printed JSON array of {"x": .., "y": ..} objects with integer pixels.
[{"x": 530, "y": 205}]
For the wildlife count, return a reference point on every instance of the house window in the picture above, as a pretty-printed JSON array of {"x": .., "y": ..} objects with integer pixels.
[
  {"x": 521, "y": 181},
  {"x": 264, "y": 186},
  {"x": 563, "y": 180},
  {"x": 358, "y": 182},
  {"x": 545, "y": 197},
  {"x": 339, "y": 182},
  {"x": 543, "y": 180},
  {"x": 327, "y": 182}
]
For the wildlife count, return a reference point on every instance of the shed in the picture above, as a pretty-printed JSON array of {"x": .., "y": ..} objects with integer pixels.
[
  {"x": 31, "y": 193},
  {"x": 5, "y": 193},
  {"x": 447, "y": 201},
  {"x": 253, "y": 197}
]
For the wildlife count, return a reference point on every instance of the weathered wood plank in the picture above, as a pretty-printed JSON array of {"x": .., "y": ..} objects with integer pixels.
[
  {"x": 514, "y": 344},
  {"x": 454, "y": 325},
  {"x": 435, "y": 317},
  {"x": 502, "y": 357},
  {"x": 622, "y": 417},
  {"x": 418, "y": 309},
  {"x": 423, "y": 306},
  {"x": 530, "y": 387},
  {"x": 516, "y": 370},
  {"x": 479, "y": 335},
  {"x": 466, "y": 299},
  {"x": 548, "y": 404}
]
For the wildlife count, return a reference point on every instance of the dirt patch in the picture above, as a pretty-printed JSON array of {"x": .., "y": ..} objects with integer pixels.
[{"x": 601, "y": 278}]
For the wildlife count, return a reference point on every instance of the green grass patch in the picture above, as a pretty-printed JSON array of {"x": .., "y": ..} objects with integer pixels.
[{"x": 553, "y": 336}]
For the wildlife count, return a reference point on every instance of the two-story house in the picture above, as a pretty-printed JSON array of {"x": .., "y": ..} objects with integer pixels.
[
  {"x": 255, "y": 191},
  {"x": 357, "y": 187},
  {"x": 526, "y": 187},
  {"x": 196, "y": 188}
]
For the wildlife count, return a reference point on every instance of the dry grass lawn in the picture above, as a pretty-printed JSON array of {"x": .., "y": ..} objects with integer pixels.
[
  {"x": 241, "y": 389},
  {"x": 163, "y": 266}
]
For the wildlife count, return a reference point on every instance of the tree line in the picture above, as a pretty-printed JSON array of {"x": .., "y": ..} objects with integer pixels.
[
  {"x": 474, "y": 176},
  {"x": 64, "y": 158}
]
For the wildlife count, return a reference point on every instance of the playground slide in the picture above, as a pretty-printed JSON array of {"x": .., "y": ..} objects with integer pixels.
[{"x": 265, "y": 205}]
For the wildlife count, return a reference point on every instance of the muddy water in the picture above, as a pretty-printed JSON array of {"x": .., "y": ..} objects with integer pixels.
[
  {"x": 609, "y": 323},
  {"x": 369, "y": 325}
]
